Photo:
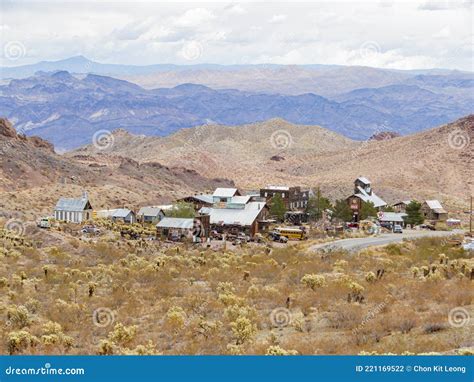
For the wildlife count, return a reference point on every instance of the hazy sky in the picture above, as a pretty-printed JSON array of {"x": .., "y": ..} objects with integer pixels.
[{"x": 381, "y": 33}]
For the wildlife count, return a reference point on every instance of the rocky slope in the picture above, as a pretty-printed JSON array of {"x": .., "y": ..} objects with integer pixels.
[{"x": 33, "y": 177}]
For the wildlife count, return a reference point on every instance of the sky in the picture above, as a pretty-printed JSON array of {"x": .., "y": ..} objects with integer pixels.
[{"x": 380, "y": 33}]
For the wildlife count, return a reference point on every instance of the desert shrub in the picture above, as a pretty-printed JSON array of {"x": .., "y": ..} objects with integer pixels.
[
  {"x": 176, "y": 318},
  {"x": 277, "y": 350},
  {"x": 370, "y": 277},
  {"x": 313, "y": 281},
  {"x": 243, "y": 330},
  {"x": 433, "y": 328},
  {"x": 18, "y": 316},
  {"x": 122, "y": 335},
  {"x": 20, "y": 341}
]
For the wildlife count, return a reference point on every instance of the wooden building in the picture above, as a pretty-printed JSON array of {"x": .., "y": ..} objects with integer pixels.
[
  {"x": 294, "y": 198},
  {"x": 363, "y": 193},
  {"x": 73, "y": 210},
  {"x": 433, "y": 210}
]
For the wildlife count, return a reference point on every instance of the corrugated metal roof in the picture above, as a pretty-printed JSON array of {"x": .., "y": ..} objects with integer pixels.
[
  {"x": 181, "y": 223},
  {"x": 226, "y": 216},
  {"x": 71, "y": 204},
  {"x": 240, "y": 199},
  {"x": 433, "y": 204},
  {"x": 392, "y": 217},
  {"x": 377, "y": 201},
  {"x": 224, "y": 192},
  {"x": 121, "y": 213},
  {"x": 206, "y": 198},
  {"x": 149, "y": 211},
  {"x": 363, "y": 179}
]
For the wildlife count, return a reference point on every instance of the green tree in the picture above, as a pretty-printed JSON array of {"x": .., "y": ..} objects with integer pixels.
[
  {"x": 316, "y": 205},
  {"x": 388, "y": 209},
  {"x": 367, "y": 209},
  {"x": 342, "y": 211},
  {"x": 181, "y": 210},
  {"x": 277, "y": 207},
  {"x": 414, "y": 215}
]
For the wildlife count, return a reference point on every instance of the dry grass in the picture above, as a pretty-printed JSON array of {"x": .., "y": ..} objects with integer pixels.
[{"x": 150, "y": 299}]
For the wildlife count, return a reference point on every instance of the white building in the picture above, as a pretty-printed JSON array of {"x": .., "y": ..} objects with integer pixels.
[{"x": 73, "y": 210}]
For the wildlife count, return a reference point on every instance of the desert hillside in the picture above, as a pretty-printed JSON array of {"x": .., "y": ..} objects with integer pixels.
[
  {"x": 33, "y": 177},
  {"x": 437, "y": 163}
]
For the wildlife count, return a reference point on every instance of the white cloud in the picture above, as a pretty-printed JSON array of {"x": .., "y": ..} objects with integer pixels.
[
  {"x": 277, "y": 19},
  {"x": 309, "y": 33},
  {"x": 194, "y": 17}
]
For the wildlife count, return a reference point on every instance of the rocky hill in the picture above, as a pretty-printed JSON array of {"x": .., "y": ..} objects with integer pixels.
[{"x": 33, "y": 177}]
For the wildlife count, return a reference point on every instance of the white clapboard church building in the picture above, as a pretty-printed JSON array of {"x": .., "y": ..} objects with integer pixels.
[{"x": 73, "y": 210}]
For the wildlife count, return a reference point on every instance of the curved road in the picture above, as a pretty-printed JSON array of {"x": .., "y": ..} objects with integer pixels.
[{"x": 382, "y": 239}]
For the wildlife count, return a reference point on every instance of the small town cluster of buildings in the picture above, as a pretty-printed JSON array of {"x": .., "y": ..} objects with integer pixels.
[
  {"x": 228, "y": 211},
  {"x": 432, "y": 210}
]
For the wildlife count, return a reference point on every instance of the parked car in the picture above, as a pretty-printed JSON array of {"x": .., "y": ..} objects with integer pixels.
[
  {"x": 468, "y": 246},
  {"x": 275, "y": 236},
  {"x": 44, "y": 223},
  {"x": 397, "y": 228},
  {"x": 90, "y": 229},
  {"x": 387, "y": 225}
]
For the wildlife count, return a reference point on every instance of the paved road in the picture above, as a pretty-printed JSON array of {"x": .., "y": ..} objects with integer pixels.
[{"x": 382, "y": 239}]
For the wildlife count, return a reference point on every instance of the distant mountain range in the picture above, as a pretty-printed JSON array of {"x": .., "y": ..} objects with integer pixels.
[{"x": 67, "y": 109}]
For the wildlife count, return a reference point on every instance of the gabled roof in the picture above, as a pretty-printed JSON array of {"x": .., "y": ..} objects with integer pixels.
[
  {"x": 228, "y": 216},
  {"x": 407, "y": 202},
  {"x": 363, "y": 180},
  {"x": 436, "y": 206},
  {"x": 205, "y": 198},
  {"x": 392, "y": 217},
  {"x": 377, "y": 201},
  {"x": 181, "y": 223},
  {"x": 240, "y": 199},
  {"x": 121, "y": 213},
  {"x": 149, "y": 211},
  {"x": 225, "y": 192},
  {"x": 71, "y": 204}
]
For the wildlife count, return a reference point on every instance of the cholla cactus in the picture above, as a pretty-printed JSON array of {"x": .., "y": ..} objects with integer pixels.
[
  {"x": 415, "y": 271},
  {"x": 313, "y": 281},
  {"x": 176, "y": 317},
  {"x": 19, "y": 341},
  {"x": 122, "y": 335},
  {"x": 370, "y": 277},
  {"x": 18, "y": 316},
  {"x": 425, "y": 270},
  {"x": 243, "y": 330},
  {"x": 277, "y": 350}
]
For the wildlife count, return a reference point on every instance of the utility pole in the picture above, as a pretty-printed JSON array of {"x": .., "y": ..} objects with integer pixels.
[{"x": 470, "y": 219}]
